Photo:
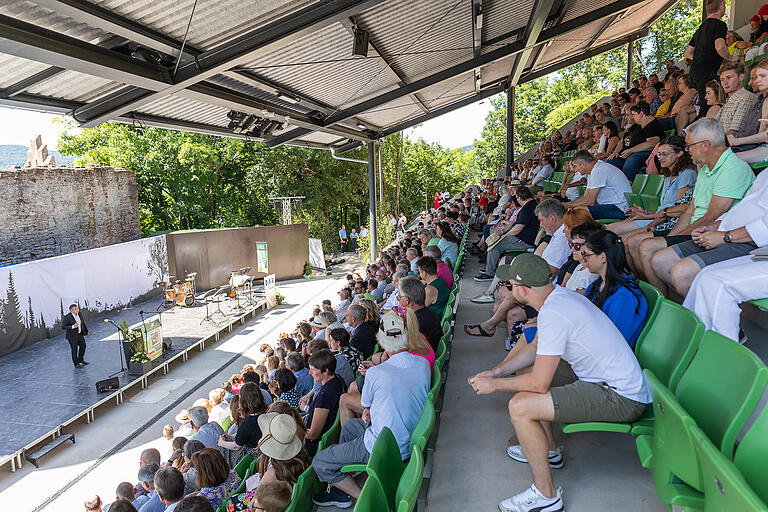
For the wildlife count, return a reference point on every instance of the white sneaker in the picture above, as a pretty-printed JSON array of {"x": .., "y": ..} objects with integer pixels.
[
  {"x": 531, "y": 500},
  {"x": 555, "y": 456},
  {"x": 483, "y": 299}
]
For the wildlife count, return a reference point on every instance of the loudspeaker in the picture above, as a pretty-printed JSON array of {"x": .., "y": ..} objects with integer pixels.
[
  {"x": 105, "y": 385},
  {"x": 167, "y": 344},
  {"x": 361, "y": 43}
]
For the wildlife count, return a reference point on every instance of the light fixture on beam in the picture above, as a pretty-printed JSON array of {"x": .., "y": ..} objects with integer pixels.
[
  {"x": 361, "y": 126},
  {"x": 288, "y": 97},
  {"x": 478, "y": 16},
  {"x": 360, "y": 46},
  {"x": 478, "y": 80}
]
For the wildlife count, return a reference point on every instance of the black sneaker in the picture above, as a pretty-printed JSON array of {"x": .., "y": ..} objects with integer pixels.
[
  {"x": 482, "y": 276},
  {"x": 84, "y": 362},
  {"x": 332, "y": 498},
  {"x": 78, "y": 365}
]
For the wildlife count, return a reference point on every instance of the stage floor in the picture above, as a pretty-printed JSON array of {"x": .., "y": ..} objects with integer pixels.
[{"x": 43, "y": 381}]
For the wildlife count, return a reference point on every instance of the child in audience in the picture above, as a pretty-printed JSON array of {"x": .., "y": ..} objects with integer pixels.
[
  {"x": 168, "y": 432},
  {"x": 93, "y": 504},
  {"x": 273, "y": 364},
  {"x": 176, "y": 457}
]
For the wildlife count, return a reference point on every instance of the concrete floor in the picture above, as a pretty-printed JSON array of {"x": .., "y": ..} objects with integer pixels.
[
  {"x": 107, "y": 450},
  {"x": 472, "y": 471}
]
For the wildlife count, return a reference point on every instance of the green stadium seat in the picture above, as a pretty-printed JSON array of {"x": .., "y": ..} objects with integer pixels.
[
  {"x": 424, "y": 426},
  {"x": 633, "y": 198},
  {"x": 226, "y": 423},
  {"x": 669, "y": 133},
  {"x": 242, "y": 467},
  {"x": 650, "y": 195},
  {"x": 440, "y": 355},
  {"x": 332, "y": 435},
  {"x": 306, "y": 486},
  {"x": 385, "y": 466},
  {"x": 410, "y": 480},
  {"x": 435, "y": 384},
  {"x": 750, "y": 455},
  {"x": 758, "y": 166},
  {"x": 760, "y": 303}
]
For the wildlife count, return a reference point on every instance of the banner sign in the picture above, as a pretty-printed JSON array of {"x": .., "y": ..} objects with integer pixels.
[
  {"x": 34, "y": 296},
  {"x": 316, "y": 256},
  {"x": 153, "y": 338},
  {"x": 270, "y": 290},
  {"x": 262, "y": 258}
]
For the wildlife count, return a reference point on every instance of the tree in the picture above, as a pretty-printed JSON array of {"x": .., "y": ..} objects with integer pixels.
[{"x": 12, "y": 319}]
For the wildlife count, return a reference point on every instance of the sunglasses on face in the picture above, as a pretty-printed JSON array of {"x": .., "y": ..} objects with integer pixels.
[{"x": 576, "y": 246}]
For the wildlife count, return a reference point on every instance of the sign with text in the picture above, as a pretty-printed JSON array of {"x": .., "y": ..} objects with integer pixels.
[
  {"x": 153, "y": 338},
  {"x": 262, "y": 258},
  {"x": 270, "y": 290}
]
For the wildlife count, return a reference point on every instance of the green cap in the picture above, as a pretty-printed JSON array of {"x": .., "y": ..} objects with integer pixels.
[{"x": 527, "y": 269}]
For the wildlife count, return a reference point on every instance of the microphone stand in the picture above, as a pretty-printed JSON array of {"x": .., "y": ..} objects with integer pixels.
[{"x": 120, "y": 348}]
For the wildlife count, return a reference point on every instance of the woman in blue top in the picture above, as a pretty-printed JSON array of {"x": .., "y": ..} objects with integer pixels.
[
  {"x": 679, "y": 175},
  {"x": 615, "y": 291},
  {"x": 448, "y": 243}
]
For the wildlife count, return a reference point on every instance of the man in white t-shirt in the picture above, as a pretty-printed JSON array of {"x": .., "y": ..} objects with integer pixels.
[
  {"x": 583, "y": 370},
  {"x": 545, "y": 171},
  {"x": 606, "y": 185},
  {"x": 550, "y": 213}
]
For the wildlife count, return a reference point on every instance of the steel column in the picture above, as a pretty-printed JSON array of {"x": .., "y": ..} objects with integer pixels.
[
  {"x": 372, "y": 199},
  {"x": 510, "y": 146},
  {"x": 629, "y": 65},
  {"x": 381, "y": 178}
]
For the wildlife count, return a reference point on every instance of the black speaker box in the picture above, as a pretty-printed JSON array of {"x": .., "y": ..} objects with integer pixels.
[{"x": 105, "y": 385}]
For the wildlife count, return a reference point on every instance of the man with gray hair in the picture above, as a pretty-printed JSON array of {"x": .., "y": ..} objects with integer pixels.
[
  {"x": 412, "y": 255},
  {"x": 394, "y": 395},
  {"x": 304, "y": 382},
  {"x": 606, "y": 185},
  {"x": 151, "y": 501},
  {"x": 550, "y": 213},
  {"x": 412, "y": 296},
  {"x": 206, "y": 432},
  {"x": 169, "y": 484}
]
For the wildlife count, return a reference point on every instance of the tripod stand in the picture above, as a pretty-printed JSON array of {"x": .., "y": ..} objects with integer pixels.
[{"x": 119, "y": 347}]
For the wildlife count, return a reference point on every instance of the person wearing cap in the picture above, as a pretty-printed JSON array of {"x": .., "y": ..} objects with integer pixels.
[
  {"x": 394, "y": 395},
  {"x": 579, "y": 368}
]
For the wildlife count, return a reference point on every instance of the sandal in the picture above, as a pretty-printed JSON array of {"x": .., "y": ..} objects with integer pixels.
[{"x": 467, "y": 328}]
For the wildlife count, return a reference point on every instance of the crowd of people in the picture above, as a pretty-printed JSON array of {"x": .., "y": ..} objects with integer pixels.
[{"x": 364, "y": 359}]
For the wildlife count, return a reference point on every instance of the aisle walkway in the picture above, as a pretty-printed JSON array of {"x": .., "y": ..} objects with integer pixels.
[{"x": 471, "y": 468}]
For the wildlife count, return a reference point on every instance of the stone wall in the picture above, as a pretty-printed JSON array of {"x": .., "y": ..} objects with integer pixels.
[{"x": 59, "y": 210}]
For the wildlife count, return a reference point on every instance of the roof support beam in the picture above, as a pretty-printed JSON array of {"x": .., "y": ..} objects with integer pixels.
[
  {"x": 384, "y": 62},
  {"x": 23, "y": 85},
  {"x": 477, "y": 38},
  {"x": 539, "y": 16},
  {"x": 286, "y": 137},
  {"x": 238, "y": 52},
  {"x": 492, "y": 56},
  {"x": 38, "y": 103},
  {"x": 254, "y": 80}
]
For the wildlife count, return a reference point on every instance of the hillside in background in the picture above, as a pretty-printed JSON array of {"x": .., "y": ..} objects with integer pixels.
[{"x": 11, "y": 155}]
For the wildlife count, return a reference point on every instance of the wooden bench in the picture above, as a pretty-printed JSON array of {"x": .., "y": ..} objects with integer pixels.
[{"x": 42, "y": 451}]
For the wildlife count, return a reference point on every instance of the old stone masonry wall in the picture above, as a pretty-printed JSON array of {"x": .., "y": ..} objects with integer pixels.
[{"x": 51, "y": 211}]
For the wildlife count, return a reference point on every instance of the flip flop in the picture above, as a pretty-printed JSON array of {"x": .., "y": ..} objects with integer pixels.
[{"x": 467, "y": 327}]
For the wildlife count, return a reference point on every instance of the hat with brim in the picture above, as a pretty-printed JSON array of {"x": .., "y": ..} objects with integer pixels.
[
  {"x": 316, "y": 322},
  {"x": 280, "y": 440},
  {"x": 183, "y": 416},
  {"x": 528, "y": 269}
]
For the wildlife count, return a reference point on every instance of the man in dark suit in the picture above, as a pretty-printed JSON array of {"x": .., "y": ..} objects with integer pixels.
[
  {"x": 363, "y": 334},
  {"x": 76, "y": 331}
]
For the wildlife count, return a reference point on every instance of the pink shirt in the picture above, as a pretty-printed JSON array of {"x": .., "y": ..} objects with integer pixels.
[
  {"x": 444, "y": 272},
  {"x": 429, "y": 357}
]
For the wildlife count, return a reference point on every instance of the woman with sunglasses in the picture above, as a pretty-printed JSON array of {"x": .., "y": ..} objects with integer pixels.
[
  {"x": 615, "y": 291},
  {"x": 577, "y": 276}
]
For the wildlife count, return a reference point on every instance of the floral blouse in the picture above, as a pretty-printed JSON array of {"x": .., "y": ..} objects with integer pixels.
[{"x": 217, "y": 495}]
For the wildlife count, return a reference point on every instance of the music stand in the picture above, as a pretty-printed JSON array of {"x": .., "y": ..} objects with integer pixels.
[
  {"x": 206, "y": 297},
  {"x": 221, "y": 293}
]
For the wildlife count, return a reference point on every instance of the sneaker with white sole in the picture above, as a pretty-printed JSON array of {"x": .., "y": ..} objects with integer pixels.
[
  {"x": 483, "y": 299},
  {"x": 482, "y": 277},
  {"x": 332, "y": 498},
  {"x": 555, "y": 456},
  {"x": 531, "y": 500}
]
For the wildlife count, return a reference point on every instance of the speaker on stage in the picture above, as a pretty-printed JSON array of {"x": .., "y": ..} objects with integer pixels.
[{"x": 105, "y": 385}]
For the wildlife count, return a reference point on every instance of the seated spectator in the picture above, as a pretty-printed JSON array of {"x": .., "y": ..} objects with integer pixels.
[
  {"x": 759, "y": 35},
  {"x": 615, "y": 291},
  {"x": 150, "y": 502},
  {"x": 606, "y": 185},
  {"x": 733, "y": 115},
  {"x": 188, "y": 469},
  {"x": 321, "y": 323},
  {"x": 381, "y": 284},
  {"x": 246, "y": 440},
  {"x": 417, "y": 343},
  {"x": 443, "y": 271},
  {"x": 169, "y": 484},
  {"x": 581, "y": 362},
  {"x": 577, "y": 276},
  {"x": 722, "y": 181},
  {"x": 392, "y": 298},
  {"x": 735, "y": 233},
  {"x": 325, "y": 403},
  {"x": 93, "y": 504},
  {"x": 393, "y": 397},
  {"x": 295, "y": 363},
  {"x": 448, "y": 244},
  {"x": 688, "y": 98},
  {"x": 412, "y": 255},
  {"x": 345, "y": 297},
  {"x": 257, "y": 377},
  {"x": 176, "y": 457},
  {"x": 149, "y": 456},
  {"x": 412, "y": 296},
  {"x": 363, "y": 333},
  {"x": 435, "y": 288},
  {"x": 679, "y": 176},
  {"x": 285, "y": 387},
  {"x": 639, "y": 142},
  {"x": 206, "y": 431},
  {"x": 122, "y": 506},
  {"x": 338, "y": 342},
  {"x": 219, "y": 408},
  {"x": 651, "y": 97},
  {"x": 755, "y": 131},
  {"x": 194, "y": 504},
  {"x": 272, "y": 497},
  {"x": 427, "y": 237},
  {"x": 611, "y": 135},
  {"x": 124, "y": 492},
  {"x": 550, "y": 213},
  {"x": 214, "y": 477},
  {"x": 343, "y": 370},
  {"x": 304, "y": 333},
  {"x": 519, "y": 234},
  {"x": 544, "y": 173}
]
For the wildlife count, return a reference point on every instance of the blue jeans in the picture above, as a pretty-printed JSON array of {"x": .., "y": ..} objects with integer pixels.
[
  {"x": 668, "y": 123},
  {"x": 606, "y": 211},
  {"x": 631, "y": 165}
]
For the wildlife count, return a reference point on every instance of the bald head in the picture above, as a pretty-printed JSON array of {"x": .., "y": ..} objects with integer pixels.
[{"x": 150, "y": 456}]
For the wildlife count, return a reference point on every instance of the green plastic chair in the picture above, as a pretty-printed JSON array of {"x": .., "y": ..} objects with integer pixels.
[
  {"x": 637, "y": 187},
  {"x": 385, "y": 463},
  {"x": 410, "y": 481},
  {"x": 424, "y": 426},
  {"x": 243, "y": 465},
  {"x": 440, "y": 356},
  {"x": 650, "y": 194},
  {"x": 760, "y": 303},
  {"x": 331, "y": 436},
  {"x": 307, "y": 485},
  {"x": 724, "y": 486},
  {"x": 241, "y": 487},
  {"x": 436, "y": 382},
  {"x": 226, "y": 423},
  {"x": 751, "y": 454},
  {"x": 721, "y": 388},
  {"x": 372, "y": 498}
]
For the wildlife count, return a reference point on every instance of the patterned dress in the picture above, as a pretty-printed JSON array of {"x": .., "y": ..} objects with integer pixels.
[{"x": 217, "y": 495}]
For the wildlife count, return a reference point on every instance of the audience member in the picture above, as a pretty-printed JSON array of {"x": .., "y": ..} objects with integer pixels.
[
  {"x": 194, "y": 504},
  {"x": 169, "y": 484},
  {"x": 214, "y": 477},
  {"x": 733, "y": 114},
  {"x": 412, "y": 296},
  {"x": 606, "y": 185},
  {"x": 639, "y": 142},
  {"x": 363, "y": 333},
  {"x": 338, "y": 342},
  {"x": 149, "y": 502},
  {"x": 707, "y": 49},
  {"x": 434, "y": 287},
  {"x": 246, "y": 440},
  {"x": 325, "y": 403}
]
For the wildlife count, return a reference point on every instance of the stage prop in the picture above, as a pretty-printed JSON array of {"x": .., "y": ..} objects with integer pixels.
[
  {"x": 34, "y": 296},
  {"x": 316, "y": 256}
]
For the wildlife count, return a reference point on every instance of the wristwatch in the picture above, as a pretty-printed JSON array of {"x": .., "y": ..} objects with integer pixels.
[{"x": 727, "y": 237}]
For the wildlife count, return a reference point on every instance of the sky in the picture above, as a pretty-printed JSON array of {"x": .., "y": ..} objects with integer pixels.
[{"x": 453, "y": 130}]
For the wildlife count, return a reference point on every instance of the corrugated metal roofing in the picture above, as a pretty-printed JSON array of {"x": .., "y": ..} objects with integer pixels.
[{"x": 419, "y": 38}]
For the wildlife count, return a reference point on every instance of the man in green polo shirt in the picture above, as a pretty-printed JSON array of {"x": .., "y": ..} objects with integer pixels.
[{"x": 723, "y": 180}]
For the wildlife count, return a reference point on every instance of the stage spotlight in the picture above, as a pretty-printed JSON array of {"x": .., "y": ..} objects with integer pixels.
[{"x": 360, "y": 46}]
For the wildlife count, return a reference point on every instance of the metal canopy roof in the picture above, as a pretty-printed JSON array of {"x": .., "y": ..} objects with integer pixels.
[{"x": 185, "y": 64}]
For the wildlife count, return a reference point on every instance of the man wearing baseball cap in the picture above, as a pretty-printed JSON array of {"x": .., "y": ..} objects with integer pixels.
[{"x": 579, "y": 368}]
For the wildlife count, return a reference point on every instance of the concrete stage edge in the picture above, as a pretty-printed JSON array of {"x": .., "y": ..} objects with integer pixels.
[{"x": 54, "y": 394}]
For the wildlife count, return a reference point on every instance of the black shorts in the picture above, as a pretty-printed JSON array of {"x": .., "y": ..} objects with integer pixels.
[
  {"x": 677, "y": 239},
  {"x": 663, "y": 233}
]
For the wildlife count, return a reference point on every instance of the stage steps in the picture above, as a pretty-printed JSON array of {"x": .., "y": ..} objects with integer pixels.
[{"x": 45, "y": 449}]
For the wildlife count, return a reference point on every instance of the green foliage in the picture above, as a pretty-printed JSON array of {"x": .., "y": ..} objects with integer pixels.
[
  {"x": 384, "y": 236},
  {"x": 561, "y": 114}
]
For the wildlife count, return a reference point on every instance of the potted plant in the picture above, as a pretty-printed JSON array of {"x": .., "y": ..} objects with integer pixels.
[{"x": 133, "y": 346}]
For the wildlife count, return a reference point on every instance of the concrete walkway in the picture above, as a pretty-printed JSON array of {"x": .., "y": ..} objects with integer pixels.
[
  {"x": 107, "y": 450},
  {"x": 472, "y": 471}
]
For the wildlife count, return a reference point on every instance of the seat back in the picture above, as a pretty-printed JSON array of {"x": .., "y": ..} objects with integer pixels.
[
  {"x": 668, "y": 343},
  {"x": 410, "y": 481},
  {"x": 307, "y": 485},
  {"x": 423, "y": 428},
  {"x": 372, "y": 498},
  {"x": 751, "y": 455},
  {"x": 331, "y": 436},
  {"x": 638, "y": 183},
  {"x": 653, "y": 298},
  {"x": 385, "y": 464},
  {"x": 440, "y": 355},
  {"x": 226, "y": 423},
  {"x": 725, "y": 488},
  {"x": 721, "y": 388},
  {"x": 436, "y": 382},
  {"x": 653, "y": 184},
  {"x": 243, "y": 465}
]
